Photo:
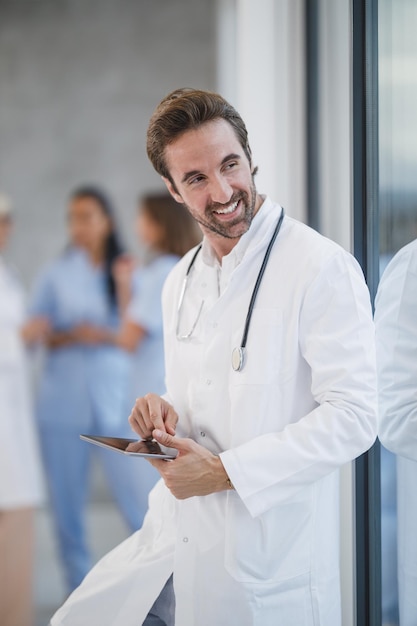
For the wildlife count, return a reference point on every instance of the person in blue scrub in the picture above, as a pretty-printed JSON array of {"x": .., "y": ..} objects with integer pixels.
[
  {"x": 167, "y": 231},
  {"x": 85, "y": 380}
]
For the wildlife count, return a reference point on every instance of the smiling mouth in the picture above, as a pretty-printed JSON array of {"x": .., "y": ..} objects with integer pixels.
[{"x": 226, "y": 211}]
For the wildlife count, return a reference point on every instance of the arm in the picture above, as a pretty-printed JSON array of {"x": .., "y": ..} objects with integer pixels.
[
  {"x": 329, "y": 391},
  {"x": 336, "y": 342},
  {"x": 332, "y": 342},
  {"x": 62, "y": 339},
  {"x": 38, "y": 328},
  {"x": 139, "y": 310},
  {"x": 123, "y": 269},
  {"x": 127, "y": 337},
  {"x": 396, "y": 333},
  {"x": 35, "y": 330}
]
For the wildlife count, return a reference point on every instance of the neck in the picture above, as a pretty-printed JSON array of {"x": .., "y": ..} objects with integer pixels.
[
  {"x": 96, "y": 255},
  {"x": 223, "y": 246}
]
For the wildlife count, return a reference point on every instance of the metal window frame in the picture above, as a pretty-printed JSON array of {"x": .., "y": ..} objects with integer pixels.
[
  {"x": 366, "y": 250},
  {"x": 365, "y": 195}
]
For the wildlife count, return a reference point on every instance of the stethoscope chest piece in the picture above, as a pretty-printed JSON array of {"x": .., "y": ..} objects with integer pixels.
[{"x": 238, "y": 358}]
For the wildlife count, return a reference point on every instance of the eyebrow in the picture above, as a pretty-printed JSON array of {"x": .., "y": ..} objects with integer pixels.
[{"x": 229, "y": 157}]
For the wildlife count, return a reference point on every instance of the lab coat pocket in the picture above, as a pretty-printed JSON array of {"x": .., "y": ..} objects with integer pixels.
[
  {"x": 263, "y": 359},
  {"x": 273, "y": 547}
]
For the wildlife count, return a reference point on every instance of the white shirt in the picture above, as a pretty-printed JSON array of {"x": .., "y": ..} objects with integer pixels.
[{"x": 303, "y": 405}]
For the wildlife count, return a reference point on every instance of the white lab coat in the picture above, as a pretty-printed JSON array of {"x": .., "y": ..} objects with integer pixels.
[
  {"x": 20, "y": 469},
  {"x": 303, "y": 405},
  {"x": 396, "y": 332}
]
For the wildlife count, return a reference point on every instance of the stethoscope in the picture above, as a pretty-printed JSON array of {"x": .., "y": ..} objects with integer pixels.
[{"x": 238, "y": 353}]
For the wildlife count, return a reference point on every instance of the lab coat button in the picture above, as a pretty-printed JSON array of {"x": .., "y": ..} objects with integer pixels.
[
  {"x": 208, "y": 381},
  {"x": 202, "y": 433},
  {"x": 185, "y": 539}
]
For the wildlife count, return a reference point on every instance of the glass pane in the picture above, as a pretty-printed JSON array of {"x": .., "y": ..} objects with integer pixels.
[{"x": 396, "y": 308}]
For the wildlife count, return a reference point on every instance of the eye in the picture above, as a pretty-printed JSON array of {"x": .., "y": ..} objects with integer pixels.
[
  {"x": 229, "y": 166},
  {"x": 195, "y": 180}
]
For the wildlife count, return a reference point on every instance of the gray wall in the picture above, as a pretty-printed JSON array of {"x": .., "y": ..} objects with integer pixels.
[{"x": 78, "y": 83}]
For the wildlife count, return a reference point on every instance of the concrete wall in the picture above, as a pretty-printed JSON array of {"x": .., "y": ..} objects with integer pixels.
[{"x": 78, "y": 83}]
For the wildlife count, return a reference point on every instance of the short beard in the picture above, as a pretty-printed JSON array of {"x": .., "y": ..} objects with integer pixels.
[{"x": 224, "y": 230}]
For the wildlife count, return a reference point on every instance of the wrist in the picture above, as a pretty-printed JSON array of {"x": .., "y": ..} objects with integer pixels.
[
  {"x": 225, "y": 484},
  {"x": 229, "y": 483}
]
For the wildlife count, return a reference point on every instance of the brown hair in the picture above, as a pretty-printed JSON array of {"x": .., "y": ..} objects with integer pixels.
[
  {"x": 187, "y": 109},
  {"x": 179, "y": 230}
]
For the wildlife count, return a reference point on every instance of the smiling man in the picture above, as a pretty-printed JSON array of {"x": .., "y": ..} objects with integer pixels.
[{"x": 270, "y": 388}]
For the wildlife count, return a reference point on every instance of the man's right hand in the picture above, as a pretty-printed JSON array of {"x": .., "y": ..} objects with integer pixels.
[{"x": 152, "y": 412}]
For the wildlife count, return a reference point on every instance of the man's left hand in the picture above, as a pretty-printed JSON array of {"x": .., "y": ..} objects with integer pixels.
[{"x": 194, "y": 472}]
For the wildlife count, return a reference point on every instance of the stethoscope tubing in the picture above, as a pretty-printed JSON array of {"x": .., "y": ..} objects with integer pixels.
[
  {"x": 238, "y": 354},
  {"x": 259, "y": 280}
]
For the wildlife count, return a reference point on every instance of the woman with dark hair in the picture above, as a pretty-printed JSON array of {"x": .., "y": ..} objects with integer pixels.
[
  {"x": 85, "y": 380},
  {"x": 167, "y": 231}
]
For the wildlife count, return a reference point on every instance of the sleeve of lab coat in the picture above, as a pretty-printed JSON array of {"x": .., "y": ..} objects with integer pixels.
[
  {"x": 396, "y": 333},
  {"x": 336, "y": 338}
]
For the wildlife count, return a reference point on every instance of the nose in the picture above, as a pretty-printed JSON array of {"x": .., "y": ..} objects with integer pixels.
[{"x": 220, "y": 190}]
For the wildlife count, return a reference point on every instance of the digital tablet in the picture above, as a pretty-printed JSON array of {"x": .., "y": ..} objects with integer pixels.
[{"x": 147, "y": 449}]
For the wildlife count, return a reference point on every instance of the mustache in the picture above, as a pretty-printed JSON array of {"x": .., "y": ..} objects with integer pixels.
[{"x": 215, "y": 206}]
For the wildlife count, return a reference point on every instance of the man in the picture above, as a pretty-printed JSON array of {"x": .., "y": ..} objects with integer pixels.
[{"x": 246, "y": 517}]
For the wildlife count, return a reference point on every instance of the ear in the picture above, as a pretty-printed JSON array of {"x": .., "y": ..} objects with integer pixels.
[{"x": 172, "y": 190}]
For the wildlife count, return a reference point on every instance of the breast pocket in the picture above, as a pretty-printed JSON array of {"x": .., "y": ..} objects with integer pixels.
[{"x": 263, "y": 355}]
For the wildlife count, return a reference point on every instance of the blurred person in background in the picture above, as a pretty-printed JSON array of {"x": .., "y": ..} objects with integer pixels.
[
  {"x": 84, "y": 384},
  {"x": 20, "y": 469},
  {"x": 167, "y": 231}
]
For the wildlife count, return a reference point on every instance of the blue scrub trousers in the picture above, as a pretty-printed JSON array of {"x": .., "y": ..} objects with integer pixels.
[
  {"x": 162, "y": 612},
  {"x": 67, "y": 460}
]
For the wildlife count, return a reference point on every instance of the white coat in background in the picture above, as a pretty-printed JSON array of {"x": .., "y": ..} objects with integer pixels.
[
  {"x": 303, "y": 405},
  {"x": 20, "y": 469},
  {"x": 396, "y": 332}
]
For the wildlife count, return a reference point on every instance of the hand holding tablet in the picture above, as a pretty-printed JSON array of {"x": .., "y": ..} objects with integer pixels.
[{"x": 132, "y": 447}]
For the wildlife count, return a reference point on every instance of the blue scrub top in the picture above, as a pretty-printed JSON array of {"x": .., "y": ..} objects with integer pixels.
[
  {"x": 83, "y": 388},
  {"x": 145, "y": 310}
]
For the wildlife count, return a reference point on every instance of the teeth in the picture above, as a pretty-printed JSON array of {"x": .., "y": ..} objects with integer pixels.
[{"x": 229, "y": 209}]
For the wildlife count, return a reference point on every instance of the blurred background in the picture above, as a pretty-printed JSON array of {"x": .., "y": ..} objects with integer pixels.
[{"x": 78, "y": 83}]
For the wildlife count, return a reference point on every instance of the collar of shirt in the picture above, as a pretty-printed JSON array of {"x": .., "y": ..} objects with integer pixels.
[{"x": 258, "y": 230}]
